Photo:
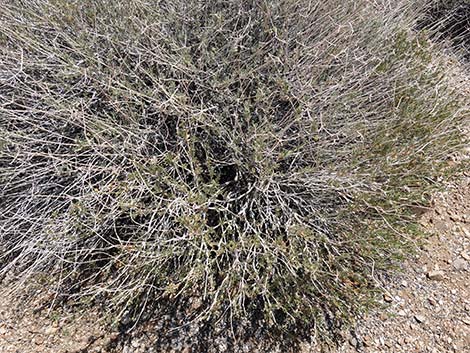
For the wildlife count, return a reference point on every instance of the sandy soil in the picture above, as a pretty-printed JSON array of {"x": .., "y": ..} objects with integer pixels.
[{"x": 428, "y": 306}]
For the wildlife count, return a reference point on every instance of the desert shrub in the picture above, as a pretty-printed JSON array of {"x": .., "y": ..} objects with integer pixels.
[{"x": 238, "y": 159}]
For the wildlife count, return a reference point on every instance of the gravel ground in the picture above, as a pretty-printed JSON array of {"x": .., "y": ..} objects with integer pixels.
[{"x": 428, "y": 306}]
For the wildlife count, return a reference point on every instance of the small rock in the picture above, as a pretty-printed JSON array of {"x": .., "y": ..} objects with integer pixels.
[
  {"x": 420, "y": 319},
  {"x": 367, "y": 341},
  {"x": 3, "y": 330},
  {"x": 460, "y": 264},
  {"x": 436, "y": 275},
  {"x": 432, "y": 301},
  {"x": 37, "y": 340},
  {"x": 353, "y": 342},
  {"x": 387, "y": 298},
  {"x": 196, "y": 303},
  {"x": 408, "y": 340},
  {"x": 466, "y": 322},
  {"x": 465, "y": 255},
  {"x": 51, "y": 330},
  {"x": 383, "y": 317},
  {"x": 401, "y": 313}
]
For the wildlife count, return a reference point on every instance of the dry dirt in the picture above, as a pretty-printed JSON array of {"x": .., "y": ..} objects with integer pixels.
[{"x": 428, "y": 306}]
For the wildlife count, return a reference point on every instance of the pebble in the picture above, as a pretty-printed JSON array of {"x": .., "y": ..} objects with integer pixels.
[
  {"x": 420, "y": 319},
  {"x": 432, "y": 301},
  {"x": 37, "y": 340},
  {"x": 408, "y": 340},
  {"x": 387, "y": 298},
  {"x": 353, "y": 342},
  {"x": 367, "y": 341},
  {"x": 436, "y": 275},
  {"x": 51, "y": 330},
  {"x": 383, "y": 316},
  {"x": 460, "y": 264},
  {"x": 3, "y": 330}
]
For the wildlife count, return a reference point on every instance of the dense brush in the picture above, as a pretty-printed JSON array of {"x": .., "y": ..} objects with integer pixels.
[{"x": 241, "y": 159}]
